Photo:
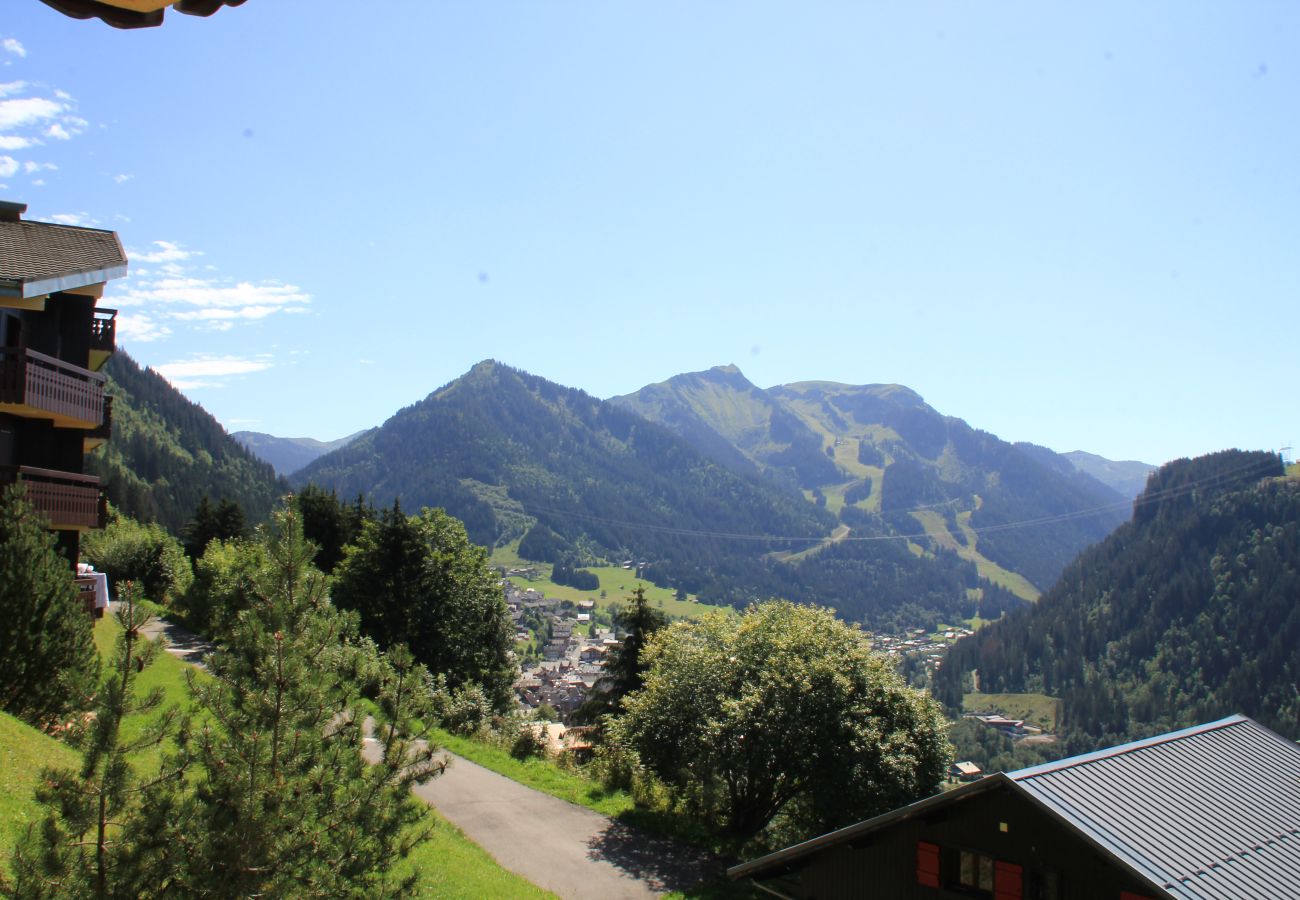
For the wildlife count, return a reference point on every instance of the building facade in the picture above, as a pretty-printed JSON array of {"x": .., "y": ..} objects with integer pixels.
[{"x": 54, "y": 341}]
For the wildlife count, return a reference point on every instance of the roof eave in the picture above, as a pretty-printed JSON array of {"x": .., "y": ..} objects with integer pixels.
[
  {"x": 69, "y": 282},
  {"x": 852, "y": 832}
]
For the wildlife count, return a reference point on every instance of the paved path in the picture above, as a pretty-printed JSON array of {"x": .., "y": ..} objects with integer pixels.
[
  {"x": 569, "y": 850},
  {"x": 185, "y": 645}
]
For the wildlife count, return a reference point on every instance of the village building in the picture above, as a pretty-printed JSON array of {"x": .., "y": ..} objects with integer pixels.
[{"x": 1207, "y": 813}]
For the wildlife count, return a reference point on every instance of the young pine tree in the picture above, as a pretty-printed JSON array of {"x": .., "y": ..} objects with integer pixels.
[
  {"x": 81, "y": 847},
  {"x": 284, "y": 804},
  {"x": 48, "y": 663}
]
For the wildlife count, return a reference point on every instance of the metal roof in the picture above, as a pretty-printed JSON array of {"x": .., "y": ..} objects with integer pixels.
[
  {"x": 1207, "y": 812},
  {"x": 38, "y": 258},
  {"x": 1204, "y": 813}
]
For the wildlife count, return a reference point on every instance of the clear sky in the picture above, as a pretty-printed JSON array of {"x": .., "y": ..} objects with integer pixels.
[{"x": 1073, "y": 224}]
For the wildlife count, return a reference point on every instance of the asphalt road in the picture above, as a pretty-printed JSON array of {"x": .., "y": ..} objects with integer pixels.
[{"x": 569, "y": 850}]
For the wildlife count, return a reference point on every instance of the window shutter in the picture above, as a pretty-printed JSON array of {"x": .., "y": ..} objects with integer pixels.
[
  {"x": 1008, "y": 881},
  {"x": 927, "y": 864}
]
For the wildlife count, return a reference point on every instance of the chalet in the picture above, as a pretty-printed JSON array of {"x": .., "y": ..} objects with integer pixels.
[
  {"x": 53, "y": 343},
  {"x": 964, "y": 771},
  {"x": 1206, "y": 813}
]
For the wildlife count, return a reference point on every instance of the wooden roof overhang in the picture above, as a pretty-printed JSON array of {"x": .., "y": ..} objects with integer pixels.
[{"x": 135, "y": 13}]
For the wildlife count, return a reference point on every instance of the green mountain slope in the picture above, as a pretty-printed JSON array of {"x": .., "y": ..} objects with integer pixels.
[
  {"x": 878, "y": 457},
  {"x": 167, "y": 453},
  {"x": 514, "y": 456},
  {"x": 288, "y": 455},
  {"x": 1186, "y": 613}
]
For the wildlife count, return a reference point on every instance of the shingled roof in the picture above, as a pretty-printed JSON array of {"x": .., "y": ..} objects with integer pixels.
[
  {"x": 1207, "y": 813},
  {"x": 135, "y": 13},
  {"x": 39, "y": 258}
]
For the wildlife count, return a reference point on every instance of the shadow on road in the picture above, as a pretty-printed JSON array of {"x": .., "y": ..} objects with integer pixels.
[{"x": 659, "y": 862}]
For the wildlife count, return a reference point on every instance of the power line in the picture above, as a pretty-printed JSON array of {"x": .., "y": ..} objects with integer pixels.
[{"x": 1259, "y": 468}]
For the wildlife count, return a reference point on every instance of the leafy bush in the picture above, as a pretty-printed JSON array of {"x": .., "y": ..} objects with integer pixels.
[{"x": 130, "y": 551}]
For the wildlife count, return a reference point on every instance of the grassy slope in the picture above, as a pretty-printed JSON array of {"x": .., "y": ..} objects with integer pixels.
[
  {"x": 1036, "y": 709},
  {"x": 617, "y": 583},
  {"x": 24, "y": 751},
  {"x": 937, "y": 530}
]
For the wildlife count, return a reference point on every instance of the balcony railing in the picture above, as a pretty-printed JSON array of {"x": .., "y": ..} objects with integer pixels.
[
  {"x": 97, "y": 436},
  {"x": 70, "y": 502},
  {"x": 103, "y": 337},
  {"x": 35, "y": 385}
]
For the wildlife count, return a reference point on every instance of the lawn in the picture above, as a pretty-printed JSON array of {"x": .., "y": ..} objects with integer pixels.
[
  {"x": 24, "y": 751},
  {"x": 453, "y": 867},
  {"x": 617, "y": 583},
  {"x": 1036, "y": 709}
]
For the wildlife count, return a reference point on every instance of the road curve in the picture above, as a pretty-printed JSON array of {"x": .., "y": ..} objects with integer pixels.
[{"x": 569, "y": 850}]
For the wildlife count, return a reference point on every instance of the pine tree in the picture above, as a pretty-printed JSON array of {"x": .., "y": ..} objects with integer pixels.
[
  {"x": 624, "y": 667},
  {"x": 47, "y": 652},
  {"x": 284, "y": 804},
  {"x": 79, "y": 849}
]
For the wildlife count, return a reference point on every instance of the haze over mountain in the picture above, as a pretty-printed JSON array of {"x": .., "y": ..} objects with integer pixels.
[
  {"x": 288, "y": 455},
  {"x": 1185, "y": 614},
  {"x": 1129, "y": 477},
  {"x": 879, "y": 451}
]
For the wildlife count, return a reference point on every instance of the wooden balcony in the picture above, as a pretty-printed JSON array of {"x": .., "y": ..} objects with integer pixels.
[
  {"x": 70, "y": 502},
  {"x": 103, "y": 338},
  {"x": 99, "y": 435},
  {"x": 37, "y": 386}
]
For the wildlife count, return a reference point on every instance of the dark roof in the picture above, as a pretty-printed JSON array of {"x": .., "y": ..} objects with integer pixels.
[
  {"x": 40, "y": 257},
  {"x": 117, "y": 13},
  {"x": 1207, "y": 812}
]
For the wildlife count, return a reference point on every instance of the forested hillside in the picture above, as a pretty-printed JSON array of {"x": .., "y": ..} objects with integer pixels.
[
  {"x": 517, "y": 457},
  {"x": 167, "y": 453},
  {"x": 1185, "y": 614},
  {"x": 880, "y": 458}
]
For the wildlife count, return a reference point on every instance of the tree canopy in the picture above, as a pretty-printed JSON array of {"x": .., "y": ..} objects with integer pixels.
[
  {"x": 785, "y": 713},
  {"x": 417, "y": 580},
  {"x": 47, "y": 652}
]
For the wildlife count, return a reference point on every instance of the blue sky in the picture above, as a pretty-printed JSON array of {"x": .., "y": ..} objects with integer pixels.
[{"x": 1074, "y": 226}]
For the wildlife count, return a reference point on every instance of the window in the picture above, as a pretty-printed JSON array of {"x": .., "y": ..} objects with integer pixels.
[{"x": 975, "y": 871}]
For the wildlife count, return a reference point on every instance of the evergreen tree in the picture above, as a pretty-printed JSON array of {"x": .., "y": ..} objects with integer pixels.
[
  {"x": 419, "y": 581},
  {"x": 624, "y": 666},
  {"x": 80, "y": 847},
  {"x": 47, "y": 652},
  {"x": 284, "y": 804},
  {"x": 223, "y": 522}
]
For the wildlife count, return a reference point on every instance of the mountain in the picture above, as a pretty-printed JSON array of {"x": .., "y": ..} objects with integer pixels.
[
  {"x": 167, "y": 453},
  {"x": 288, "y": 455},
  {"x": 1129, "y": 477},
  {"x": 877, "y": 455},
  {"x": 1186, "y": 613},
  {"x": 517, "y": 457}
]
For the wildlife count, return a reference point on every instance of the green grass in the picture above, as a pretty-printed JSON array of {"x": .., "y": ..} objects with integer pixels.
[
  {"x": 1293, "y": 470},
  {"x": 453, "y": 867},
  {"x": 937, "y": 529},
  {"x": 539, "y": 774},
  {"x": 617, "y": 583},
  {"x": 24, "y": 751},
  {"x": 1036, "y": 709}
]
